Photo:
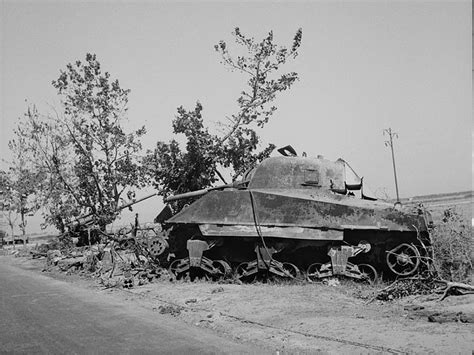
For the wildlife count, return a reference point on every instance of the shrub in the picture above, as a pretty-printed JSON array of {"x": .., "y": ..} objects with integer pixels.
[{"x": 452, "y": 244}]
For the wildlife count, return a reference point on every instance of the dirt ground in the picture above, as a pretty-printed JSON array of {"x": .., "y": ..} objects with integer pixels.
[{"x": 301, "y": 318}]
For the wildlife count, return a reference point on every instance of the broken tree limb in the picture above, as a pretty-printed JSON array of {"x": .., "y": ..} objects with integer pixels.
[
  {"x": 445, "y": 317},
  {"x": 453, "y": 288}
]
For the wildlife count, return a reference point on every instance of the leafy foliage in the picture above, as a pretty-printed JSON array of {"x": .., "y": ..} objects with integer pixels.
[
  {"x": 178, "y": 170},
  {"x": 452, "y": 244},
  {"x": 88, "y": 159},
  {"x": 10, "y": 204},
  {"x": 18, "y": 186},
  {"x": 45, "y": 144},
  {"x": 194, "y": 168}
]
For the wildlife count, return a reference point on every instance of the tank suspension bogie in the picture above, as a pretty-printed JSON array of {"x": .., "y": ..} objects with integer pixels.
[
  {"x": 197, "y": 261},
  {"x": 403, "y": 260},
  {"x": 266, "y": 264},
  {"x": 339, "y": 264}
]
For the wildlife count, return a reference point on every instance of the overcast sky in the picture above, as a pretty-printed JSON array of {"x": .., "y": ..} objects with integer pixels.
[{"x": 364, "y": 66}]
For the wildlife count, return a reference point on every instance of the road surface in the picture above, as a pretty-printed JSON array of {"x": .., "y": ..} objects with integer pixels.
[{"x": 42, "y": 315}]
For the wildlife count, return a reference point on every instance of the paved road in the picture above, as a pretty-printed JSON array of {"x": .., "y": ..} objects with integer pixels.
[{"x": 42, "y": 315}]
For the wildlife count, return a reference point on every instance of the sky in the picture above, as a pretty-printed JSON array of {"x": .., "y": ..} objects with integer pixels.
[{"x": 364, "y": 66}]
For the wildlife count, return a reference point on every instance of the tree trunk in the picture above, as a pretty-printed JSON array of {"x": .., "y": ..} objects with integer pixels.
[{"x": 13, "y": 236}]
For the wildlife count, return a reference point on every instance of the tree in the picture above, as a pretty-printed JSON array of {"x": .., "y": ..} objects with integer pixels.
[
  {"x": 89, "y": 160},
  {"x": 44, "y": 142},
  {"x": 106, "y": 163},
  {"x": 177, "y": 170},
  {"x": 19, "y": 185},
  {"x": 9, "y": 206},
  {"x": 193, "y": 169},
  {"x": 17, "y": 189}
]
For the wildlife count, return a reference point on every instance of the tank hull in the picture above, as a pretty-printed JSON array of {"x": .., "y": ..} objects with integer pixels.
[
  {"x": 300, "y": 226},
  {"x": 304, "y": 212},
  {"x": 294, "y": 214}
]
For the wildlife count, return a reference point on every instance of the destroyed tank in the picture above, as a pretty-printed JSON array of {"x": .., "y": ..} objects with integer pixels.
[{"x": 292, "y": 216}]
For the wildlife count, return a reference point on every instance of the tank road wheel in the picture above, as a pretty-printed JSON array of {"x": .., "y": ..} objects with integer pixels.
[
  {"x": 246, "y": 271},
  {"x": 223, "y": 269},
  {"x": 281, "y": 271},
  {"x": 291, "y": 270},
  {"x": 368, "y": 273},
  {"x": 158, "y": 246},
  {"x": 179, "y": 267},
  {"x": 403, "y": 260},
  {"x": 313, "y": 272}
]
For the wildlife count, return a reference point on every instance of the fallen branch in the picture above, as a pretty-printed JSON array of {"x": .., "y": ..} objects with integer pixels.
[
  {"x": 421, "y": 286},
  {"x": 455, "y": 288}
]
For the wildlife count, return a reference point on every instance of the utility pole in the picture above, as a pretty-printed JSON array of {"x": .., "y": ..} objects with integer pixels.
[{"x": 389, "y": 143}]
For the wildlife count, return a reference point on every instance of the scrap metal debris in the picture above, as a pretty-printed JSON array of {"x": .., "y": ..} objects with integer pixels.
[{"x": 126, "y": 258}]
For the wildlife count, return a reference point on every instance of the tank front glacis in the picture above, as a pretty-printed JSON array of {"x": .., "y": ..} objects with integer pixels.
[{"x": 293, "y": 214}]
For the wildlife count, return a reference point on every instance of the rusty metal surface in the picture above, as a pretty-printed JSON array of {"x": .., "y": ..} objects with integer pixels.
[
  {"x": 215, "y": 230},
  {"x": 275, "y": 209},
  {"x": 339, "y": 257},
  {"x": 196, "y": 248},
  {"x": 296, "y": 172}
]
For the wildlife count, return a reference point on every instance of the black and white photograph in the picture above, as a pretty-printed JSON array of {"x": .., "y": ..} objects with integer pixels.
[{"x": 236, "y": 177}]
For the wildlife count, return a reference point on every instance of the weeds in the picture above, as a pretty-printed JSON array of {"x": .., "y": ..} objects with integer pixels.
[
  {"x": 452, "y": 263},
  {"x": 452, "y": 246}
]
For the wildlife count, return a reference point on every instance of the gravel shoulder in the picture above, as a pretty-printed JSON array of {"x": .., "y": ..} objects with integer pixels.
[{"x": 304, "y": 318}]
